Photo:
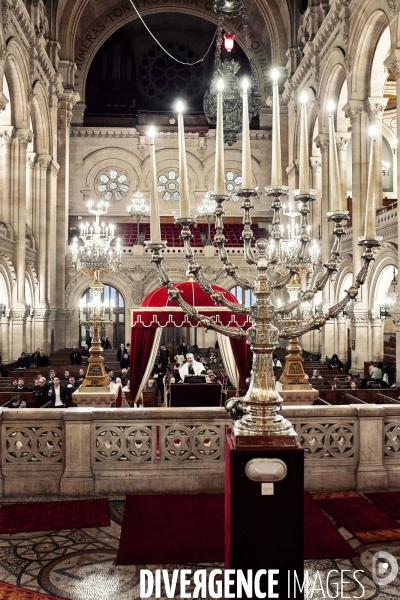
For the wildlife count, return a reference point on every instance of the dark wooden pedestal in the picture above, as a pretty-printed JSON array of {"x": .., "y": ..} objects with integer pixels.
[{"x": 265, "y": 532}]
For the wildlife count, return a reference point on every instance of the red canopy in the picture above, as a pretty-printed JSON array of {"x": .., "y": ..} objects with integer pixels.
[{"x": 157, "y": 310}]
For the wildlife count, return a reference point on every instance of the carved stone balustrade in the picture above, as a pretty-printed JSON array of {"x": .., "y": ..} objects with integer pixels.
[{"x": 91, "y": 451}]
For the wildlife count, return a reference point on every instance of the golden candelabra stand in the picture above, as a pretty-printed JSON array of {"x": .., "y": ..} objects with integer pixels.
[
  {"x": 256, "y": 415},
  {"x": 96, "y": 258}
]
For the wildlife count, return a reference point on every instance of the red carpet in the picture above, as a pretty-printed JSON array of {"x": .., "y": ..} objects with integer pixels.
[
  {"x": 359, "y": 516},
  {"x": 193, "y": 531},
  {"x": 321, "y": 538},
  {"x": 172, "y": 529},
  {"x": 389, "y": 502},
  {"x": 12, "y": 592},
  {"x": 46, "y": 516}
]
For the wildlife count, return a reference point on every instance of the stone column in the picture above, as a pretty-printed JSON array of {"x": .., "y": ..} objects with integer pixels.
[
  {"x": 377, "y": 336},
  {"x": 53, "y": 261},
  {"x": 65, "y": 106},
  {"x": 41, "y": 335},
  {"x": 20, "y": 143},
  {"x": 360, "y": 335},
  {"x": 4, "y": 329},
  {"x": 342, "y": 140},
  {"x": 341, "y": 338},
  {"x": 42, "y": 164},
  {"x": 355, "y": 111},
  {"x": 375, "y": 108},
  {"x": 6, "y": 137},
  {"x": 30, "y": 188}
]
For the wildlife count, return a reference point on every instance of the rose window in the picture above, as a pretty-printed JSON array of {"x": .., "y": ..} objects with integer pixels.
[
  {"x": 112, "y": 184},
  {"x": 232, "y": 180},
  {"x": 160, "y": 77},
  {"x": 168, "y": 186}
]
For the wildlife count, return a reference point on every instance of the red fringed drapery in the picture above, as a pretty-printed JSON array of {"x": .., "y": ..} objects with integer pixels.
[
  {"x": 141, "y": 343},
  {"x": 243, "y": 358}
]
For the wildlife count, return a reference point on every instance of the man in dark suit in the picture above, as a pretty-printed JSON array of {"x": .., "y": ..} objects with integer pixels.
[
  {"x": 40, "y": 393},
  {"x": 75, "y": 357},
  {"x": 24, "y": 362},
  {"x": 60, "y": 396}
]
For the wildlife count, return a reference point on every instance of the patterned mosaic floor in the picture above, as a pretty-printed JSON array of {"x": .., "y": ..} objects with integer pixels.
[{"x": 80, "y": 565}]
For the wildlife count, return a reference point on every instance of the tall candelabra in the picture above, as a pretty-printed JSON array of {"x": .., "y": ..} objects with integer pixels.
[
  {"x": 95, "y": 257},
  {"x": 257, "y": 415}
]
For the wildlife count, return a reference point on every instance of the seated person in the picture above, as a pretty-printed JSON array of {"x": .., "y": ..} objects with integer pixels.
[
  {"x": 24, "y": 362},
  {"x": 81, "y": 375},
  {"x": 21, "y": 387},
  {"x": 71, "y": 383},
  {"x": 52, "y": 374},
  {"x": 42, "y": 360},
  {"x": 85, "y": 351},
  {"x": 14, "y": 402},
  {"x": 316, "y": 374},
  {"x": 125, "y": 360},
  {"x": 191, "y": 367},
  {"x": 353, "y": 385},
  {"x": 335, "y": 363},
  {"x": 75, "y": 356},
  {"x": 22, "y": 404},
  {"x": 13, "y": 383},
  {"x": 40, "y": 393},
  {"x": 66, "y": 376},
  {"x": 127, "y": 387},
  {"x": 276, "y": 362},
  {"x": 195, "y": 349}
]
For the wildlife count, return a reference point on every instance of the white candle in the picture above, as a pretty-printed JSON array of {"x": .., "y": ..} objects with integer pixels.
[
  {"x": 276, "y": 169},
  {"x": 219, "y": 177},
  {"x": 246, "y": 156},
  {"x": 304, "y": 175},
  {"x": 184, "y": 185},
  {"x": 336, "y": 200},
  {"x": 155, "y": 229},
  {"x": 370, "y": 208}
]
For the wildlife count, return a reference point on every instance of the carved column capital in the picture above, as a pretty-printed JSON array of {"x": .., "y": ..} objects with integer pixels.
[
  {"x": 353, "y": 111},
  {"x": 375, "y": 107},
  {"x": 315, "y": 164},
  {"x": 322, "y": 142},
  {"x": 342, "y": 140},
  {"x": 6, "y": 136},
  {"x": 25, "y": 136},
  {"x": 31, "y": 159},
  {"x": 392, "y": 62},
  {"x": 44, "y": 161}
]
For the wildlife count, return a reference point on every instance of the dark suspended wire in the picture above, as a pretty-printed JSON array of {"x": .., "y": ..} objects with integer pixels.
[{"x": 166, "y": 51}]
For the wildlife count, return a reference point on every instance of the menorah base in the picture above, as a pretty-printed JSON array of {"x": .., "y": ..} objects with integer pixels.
[{"x": 252, "y": 432}]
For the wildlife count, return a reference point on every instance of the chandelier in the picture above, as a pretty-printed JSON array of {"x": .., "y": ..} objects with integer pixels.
[
  {"x": 138, "y": 209},
  {"x": 226, "y": 70},
  {"x": 391, "y": 298},
  {"x": 207, "y": 211},
  {"x": 94, "y": 256}
]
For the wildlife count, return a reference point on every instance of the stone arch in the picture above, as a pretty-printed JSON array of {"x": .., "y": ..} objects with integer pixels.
[
  {"x": 372, "y": 22},
  {"x": 6, "y": 286},
  {"x": 331, "y": 84},
  {"x": 387, "y": 257},
  {"x": 233, "y": 160},
  {"x": 17, "y": 74},
  {"x": 40, "y": 120},
  {"x": 81, "y": 282},
  {"x": 104, "y": 25},
  {"x": 342, "y": 281}
]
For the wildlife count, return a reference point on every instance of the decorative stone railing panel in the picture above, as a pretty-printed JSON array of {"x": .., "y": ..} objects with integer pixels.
[{"x": 121, "y": 443}]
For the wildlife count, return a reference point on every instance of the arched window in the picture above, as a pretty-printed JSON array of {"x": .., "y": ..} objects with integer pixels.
[
  {"x": 116, "y": 331},
  {"x": 246, "y": 297}
]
